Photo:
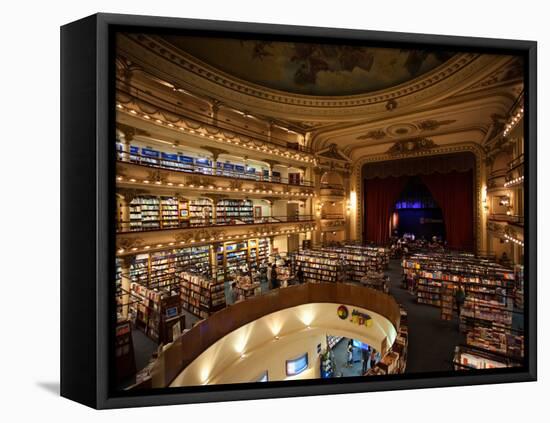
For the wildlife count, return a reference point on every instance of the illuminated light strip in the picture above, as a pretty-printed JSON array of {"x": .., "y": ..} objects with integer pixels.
[
  {"x": 121, "y": 251},
  {"x": 513, "y": 122},
  {"x": 515, "y": 181},
  {"x": 287, "y": 154},
  {"x": 514, "y": 240}
]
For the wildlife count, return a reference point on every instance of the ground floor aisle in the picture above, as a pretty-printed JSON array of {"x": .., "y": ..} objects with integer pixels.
[{"x": 431, "y": 340}]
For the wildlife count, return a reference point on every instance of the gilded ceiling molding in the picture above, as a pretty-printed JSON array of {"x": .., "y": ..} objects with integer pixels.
[
  {"x": 471, "y": 147},
  {"x": 183, "y": 70}
]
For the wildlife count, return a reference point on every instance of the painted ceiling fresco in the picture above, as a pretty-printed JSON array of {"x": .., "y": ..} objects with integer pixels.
[{"x": 311, "y": 69}]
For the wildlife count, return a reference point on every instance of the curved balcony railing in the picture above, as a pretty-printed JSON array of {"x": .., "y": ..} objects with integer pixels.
[
  {"x": 198, "y": 223},
  {"x": 509, "y": 218},
  {"x": 199, "y": 119},
  {"x": 332, "y": 216},
  {"x": 193, "y": 168},
  {"x": 194, "y": 342},
  {"x": 517, "y": 162},
  {"x": 332, "y": 190}
]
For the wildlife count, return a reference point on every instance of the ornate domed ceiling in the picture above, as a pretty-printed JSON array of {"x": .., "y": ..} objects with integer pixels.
[{"x": 311, "y": 69}]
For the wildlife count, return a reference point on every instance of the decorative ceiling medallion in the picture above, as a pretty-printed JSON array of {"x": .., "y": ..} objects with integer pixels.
[
  {"x": 432, "y": 124},
  {"x": 401, "y": 129},
  {"x": 412, "y": 145}
]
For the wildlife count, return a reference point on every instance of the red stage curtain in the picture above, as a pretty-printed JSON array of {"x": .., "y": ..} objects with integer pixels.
[
  {"x": 380, "y": 196},
  {"x": 453, "y": 192}
]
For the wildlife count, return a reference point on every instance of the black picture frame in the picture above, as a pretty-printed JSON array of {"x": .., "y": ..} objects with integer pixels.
[{"x": 87, "y": 232}]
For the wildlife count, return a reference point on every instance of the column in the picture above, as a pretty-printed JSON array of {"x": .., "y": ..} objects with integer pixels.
[
  {"x": 125, "y": 284},
  {"x": 347, "y": 216},
  {"x": 214, "y": 108},
  {"x": 123, "y": 211}
]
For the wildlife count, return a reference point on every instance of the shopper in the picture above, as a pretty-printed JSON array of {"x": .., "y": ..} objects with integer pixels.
[
  {"x": 373, "y": 358},
  {"x": 350, "y": 354},
  {"x": 460, "y": 297},
  {"x": 365, "y": 359},
  {"x": 269, "y": 272},
  {"x": 234, "y": 293},
  {"x": 274, "y": 280}
]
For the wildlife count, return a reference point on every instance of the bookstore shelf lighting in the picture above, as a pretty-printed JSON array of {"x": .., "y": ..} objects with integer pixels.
[{"x": 266, "y": 229}]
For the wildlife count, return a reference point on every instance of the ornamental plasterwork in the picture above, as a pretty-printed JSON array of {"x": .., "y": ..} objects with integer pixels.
[
  {"x": 472, "y": 147},
  {"x": 433, "y": 124},
  {"x": 374, "y": 134},
  {"x": 511, "y": 71},
  {"x": 185, "y": 71},
  {"x": 412, "y": 145},
  {"x": 129, "y": 242}
]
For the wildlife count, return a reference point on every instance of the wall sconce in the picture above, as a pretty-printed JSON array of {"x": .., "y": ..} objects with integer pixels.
[{"x": 504, "y": 200}]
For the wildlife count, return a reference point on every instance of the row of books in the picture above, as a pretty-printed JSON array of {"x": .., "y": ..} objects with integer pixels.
[
  {"x": 318, "y": 266},
  {"x": 201, "y": 295}
]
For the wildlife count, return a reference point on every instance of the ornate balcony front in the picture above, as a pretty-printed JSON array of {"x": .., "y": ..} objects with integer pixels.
[
  {"x": 135, "y": 241},
  {"x": 330, "y": 191},
  {"x": 135, "y": 175}
]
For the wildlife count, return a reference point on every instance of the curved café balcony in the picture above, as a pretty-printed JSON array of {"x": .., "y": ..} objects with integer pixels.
[
  {"x": 332, "y": 190},
  {"x": 131, "y": 163},
  {"x": 194, "y": 342}
]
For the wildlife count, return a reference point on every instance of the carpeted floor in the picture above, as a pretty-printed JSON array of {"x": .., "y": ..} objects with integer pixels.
[{"x": 431, "y": 340}]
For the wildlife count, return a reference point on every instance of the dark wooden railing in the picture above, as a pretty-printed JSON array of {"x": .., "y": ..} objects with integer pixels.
[{"x": 194, "y": 342}]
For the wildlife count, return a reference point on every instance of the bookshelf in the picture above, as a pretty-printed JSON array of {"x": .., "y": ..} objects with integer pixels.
[
  {"x": 447, "y": 303},
  {"x": 497, "y": 340},
  {"x": 467, "y": 358},
  {"x": 157, "y": 312},
  {"x": 158, "y": 270},
  {"x": 318, "y": 266},
  {"x": 183, "y": 213},
  {"x": 200, "y": 212},
  {"x": 359, "y": 260},
  {"x": 245, "y": 255},
  {"x": 169, "y": 212},
  {"x": 327, "y": 364},
  {"x": 201, "y": 295},
  {"x": 395, "y": 359},
  {"x": 481, "y": 279},
  {"x": 228, "y": 211},
  {"x": 144, "y": 213},
  {"x": 518, "y": 292},
  {"x": 124, "y": 351}
]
